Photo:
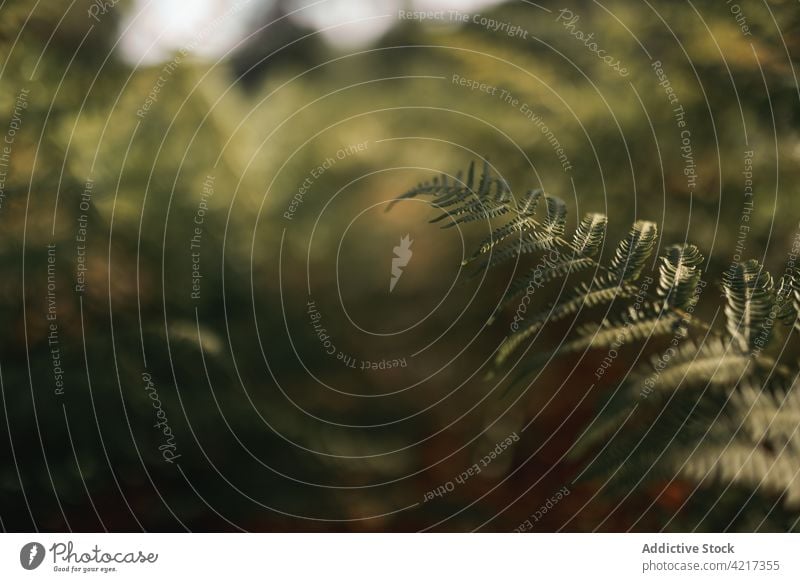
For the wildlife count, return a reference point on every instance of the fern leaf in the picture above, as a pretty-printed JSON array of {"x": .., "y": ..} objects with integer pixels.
[
  {"x": 645, "y": 447},
  {"x": 485, "y": 181},
  {"x": 526, "y": 206},
  {"x": 479, "y": 213},
  {"x": 586, "y": 242},
  {"x": 556, "y": 219},
  {"x": 601, "y": 291},
  {"x": 750, "y": 299},
  {"x": 748, "y": 464},
  {"x": 714, "y": 365},
  {"x": 533, "y": 239},
  {"x": 633, "y": 251},
  {"x": 755, "y": 445},
  {"x": 787, "y": 299},
  {"x": 589, "y": 235},
  {"x": 522, "y": 223},
  {"x": 772, "y": 414},
  {"x": 438, "y": 185},
  {"x": 679, "y": 275},
  {"x": 544, "y": 273},
  {"x": 635, "y": 325},
  {"x": 476, "y": 209},
  {"x": 446, "y": 192},
  {"x": 457, "y": 211},
  {"x": 453, "y": 197},
  {"x": 470, "y": 182},
  {"x": 699, "y": 409},
  {"x": 529, "y": 244}
]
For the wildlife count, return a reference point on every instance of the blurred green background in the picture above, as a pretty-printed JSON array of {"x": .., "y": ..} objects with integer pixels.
[{"x": 272, "y": 432}]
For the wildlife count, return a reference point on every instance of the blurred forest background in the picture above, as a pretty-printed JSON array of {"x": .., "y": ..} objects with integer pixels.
[{"x": 135, "y": 129}]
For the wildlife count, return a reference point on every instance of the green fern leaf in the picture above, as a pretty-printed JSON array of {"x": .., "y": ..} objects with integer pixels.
[
  {"x": 439, "y": 186},
  {"x": 633, "y": 252},
  {"x": 533, "y": 240},
  {"x": 713, "y": 365},
  {"x": 680, "y": 275},
  {"x": 756, "y": 444},
  {"x": 586, "y": 242},
  {"x": 787, "y": 298},
  {"x": 541, "y": 274},
  {"x": 522, "y": 223},
  {"x": 476, "y": 210},
  {"x": 526, "y": 206},
  {"x": 479, "y": 213},
  {"x": 634, "y": 326},
  {"x": 556, "y": 219},
  {"x": 589, "y": 235},
  {"x": 750, "y": 298},
  {"x": 599, "y": 292}
]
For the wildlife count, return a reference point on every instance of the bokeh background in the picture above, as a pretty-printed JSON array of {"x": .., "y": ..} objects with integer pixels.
[{"x": 275, "y": 132}]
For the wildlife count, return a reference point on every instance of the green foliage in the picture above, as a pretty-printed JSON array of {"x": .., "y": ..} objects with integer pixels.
[
  {"x": 679, "y": 276},
  {"x": 715, "y": 405},
  {"x": 751, "y": 299}
]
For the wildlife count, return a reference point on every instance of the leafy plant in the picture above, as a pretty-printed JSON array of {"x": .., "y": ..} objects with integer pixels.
[{"x": 714, "y": 404}]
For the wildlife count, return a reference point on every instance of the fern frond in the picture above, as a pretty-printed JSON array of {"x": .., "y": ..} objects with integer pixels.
[
  {"x": 589, "y": 235},
  {"x": 556, "y": 220},
  {"x": 478, "y": 209},
  {"x": 756, "y": 444},
  {"x": 712, "y": 365},
  {"x": 535, "y": 236},
  {"x": 679, "y": 276},
  {"x": 541, "y": 274},
  {"x": 529, "y": 244},
  {"x": 526, "y": 205},
  {"x": 787, "y": 299},
  {"x": 599, "y": 292},
  {"x": 446, "y": 192},
  {"x": 645, "y": 447},
  {"x": 439, "y": 186},
  {"x": 772, "y": 414},
  {"x": 479, "y": 213},
  {"x": 635, "y": 325},
  {"x": 748, "y": 464},
  {"x": 522, "y": 223},
  {"x": 718, "y": 410},
  {"x": 453, "y": 197},
  {"x": 633, "y": 251},
  {"x": 464, "y": 208},
  {"x": 485, "y": 181},
  {"x": 546, "y": 237},
  {"x": 586, "y": 242},
  {"x": 750, "y": 298}
]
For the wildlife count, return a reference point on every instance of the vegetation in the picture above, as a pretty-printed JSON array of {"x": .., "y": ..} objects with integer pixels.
[
  {"x": 214, "y": 353},
  {"x": 718, "y": 406}
]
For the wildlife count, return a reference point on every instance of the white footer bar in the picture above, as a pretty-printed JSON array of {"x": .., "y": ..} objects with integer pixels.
[{"x": 400, "y": 557}]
